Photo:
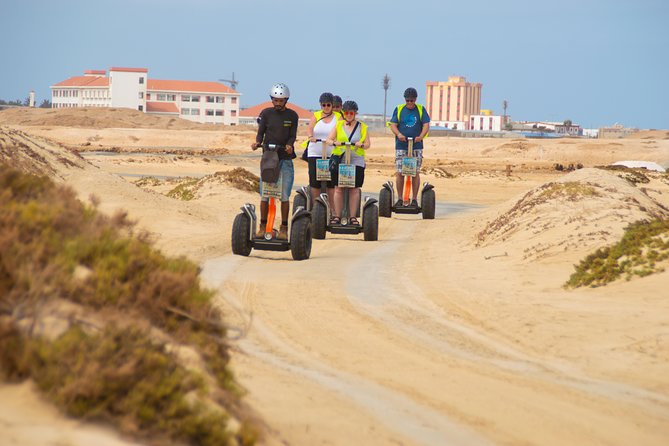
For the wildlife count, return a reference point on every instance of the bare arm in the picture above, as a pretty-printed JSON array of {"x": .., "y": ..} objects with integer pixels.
[
  {"x": 310, "y": 129},
  {"x": 423, "y": 132}
]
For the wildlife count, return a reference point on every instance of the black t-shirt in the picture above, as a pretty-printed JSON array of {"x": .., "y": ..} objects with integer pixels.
[{"x": 278, "y": 127}]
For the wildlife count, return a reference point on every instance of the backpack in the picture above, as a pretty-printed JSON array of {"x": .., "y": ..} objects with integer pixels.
[{"x": 269, "y": 166}]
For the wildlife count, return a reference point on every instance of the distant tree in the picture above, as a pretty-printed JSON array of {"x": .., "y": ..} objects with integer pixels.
[
  {"x": 45, "y": 104},
  {"x": 26, "y": 101},
  {"x": 508, "y": 126},
  {"x": 14, "y": 102},
  {"x": 567, "y": 122}
]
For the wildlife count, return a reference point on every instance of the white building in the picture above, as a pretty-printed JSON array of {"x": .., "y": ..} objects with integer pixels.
[
  {"x": 487, "y": 123},
  {"x": 210, "y": 102}
]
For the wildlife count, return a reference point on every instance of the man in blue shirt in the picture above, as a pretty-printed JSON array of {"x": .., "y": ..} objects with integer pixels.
[{"x": 409, "y": 120}]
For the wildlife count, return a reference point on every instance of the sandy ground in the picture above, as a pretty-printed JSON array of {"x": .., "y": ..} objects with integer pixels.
[{"x": 448, "y": 331}]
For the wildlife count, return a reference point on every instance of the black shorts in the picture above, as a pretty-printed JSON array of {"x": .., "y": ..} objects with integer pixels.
[
  {"x": 359, "y": 176},
  {"x": 313, "y": 182}
]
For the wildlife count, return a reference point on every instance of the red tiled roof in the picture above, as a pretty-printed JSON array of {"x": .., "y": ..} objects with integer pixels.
[
  {"x": 84, "y": 81},
  {"x": 254, "y": 112},
  {"x": 100, "y": 72},
  {"x": 130, "y": 70},
  {"x": 188, "y": 86},
  {"x": 161, "y": 107}
]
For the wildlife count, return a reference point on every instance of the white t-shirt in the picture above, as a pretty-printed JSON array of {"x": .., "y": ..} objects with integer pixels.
[{"x": 321, "y": 131}]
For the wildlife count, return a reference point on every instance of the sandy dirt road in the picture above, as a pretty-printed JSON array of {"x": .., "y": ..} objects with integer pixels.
[{"x": 384, "y": 348}]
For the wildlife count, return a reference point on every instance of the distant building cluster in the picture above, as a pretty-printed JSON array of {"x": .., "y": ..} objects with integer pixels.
[{"x": 205, "y": 102}]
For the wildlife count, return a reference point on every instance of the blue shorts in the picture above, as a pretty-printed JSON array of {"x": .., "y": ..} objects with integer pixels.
[
  {"x": 287, "y": 176},
  {"x": 399, "y": 154}
]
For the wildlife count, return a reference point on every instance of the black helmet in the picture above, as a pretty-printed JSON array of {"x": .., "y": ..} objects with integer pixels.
[
  {"x": 410, "y": 93},
  {"x": 350, "y": 105},
  {"x": 336, "y": 100},
  {"x": 326, "y": 98}
]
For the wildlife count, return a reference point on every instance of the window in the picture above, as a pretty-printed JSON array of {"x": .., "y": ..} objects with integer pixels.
[
  {"x": 161, "y": 96},
  {"x": 141, "y": 95},
  {"x": 185, "y": 111},
  {"x": 219, "y": 112},
  {"x": 148, "y": 96},
  {"x": 233, "y": 113},
  {"x": 195, "y": 111},
  {"x": 220, "y": 99},
  {"x": 185, "y": 98},
  {"x": 210, "y": 99},
  {"x": 209, "y": 112},
  {"x": 234, "y": 99},
  {"x": 140, "y": 108},
  {"x": 141, "y": 80},
  {"x": 195, "y": 98},
  {"x": 170, "y": 97}
]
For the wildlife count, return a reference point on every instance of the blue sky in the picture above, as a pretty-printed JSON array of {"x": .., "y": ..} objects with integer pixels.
[{"x": 594, "y": 62}]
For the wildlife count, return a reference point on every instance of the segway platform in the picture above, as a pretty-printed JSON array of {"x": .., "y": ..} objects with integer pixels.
[
  {"x": 272, "y": 244},
  {"x": 345, "y": 229},
  {"x": 409, "y": 209}
]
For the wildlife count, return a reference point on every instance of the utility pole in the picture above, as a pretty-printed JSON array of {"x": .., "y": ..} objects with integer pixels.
[
  {"x": 233, "y": 83},
  {"x": 386, "y": 85},
  {"x": 505, "y": 104}
]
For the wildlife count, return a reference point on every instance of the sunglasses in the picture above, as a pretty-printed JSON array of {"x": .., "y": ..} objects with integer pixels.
[
  {"x": 410, "y": 100},
  {"x": 326, "y": 105},
  {"x": 350, "y": 112}
]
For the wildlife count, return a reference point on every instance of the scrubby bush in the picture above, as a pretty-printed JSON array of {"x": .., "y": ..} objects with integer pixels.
[
  {"x": 116, "y": 372},
  {"x": 643, "y": 250}
]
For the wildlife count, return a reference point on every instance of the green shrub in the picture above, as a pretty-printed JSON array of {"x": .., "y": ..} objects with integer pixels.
[
  {"x": 643, "y": 246},
  {"x": 46, "y": 235}
]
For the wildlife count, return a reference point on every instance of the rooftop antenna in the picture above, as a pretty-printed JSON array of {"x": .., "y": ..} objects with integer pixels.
[
  {"x": 233, "y": 83},
  {"x": 386, "y": 84}
]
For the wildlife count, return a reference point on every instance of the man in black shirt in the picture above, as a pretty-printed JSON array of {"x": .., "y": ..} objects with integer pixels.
[{"x": 278, "y": 125}]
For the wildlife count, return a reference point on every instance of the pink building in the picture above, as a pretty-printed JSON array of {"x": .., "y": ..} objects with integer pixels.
[{"x": 452, "y": 103}]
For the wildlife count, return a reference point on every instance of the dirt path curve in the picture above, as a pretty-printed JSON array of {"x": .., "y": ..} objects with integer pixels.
[{"x": 355, "y": 347}]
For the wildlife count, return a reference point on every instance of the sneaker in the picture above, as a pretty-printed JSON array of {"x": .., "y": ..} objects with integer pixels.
[
  {"x": 283, "y": 233},
  {"x": 261, "y": 232},
  {"x": 399, "y": 203},
  {"x": 414, "y": 203}
]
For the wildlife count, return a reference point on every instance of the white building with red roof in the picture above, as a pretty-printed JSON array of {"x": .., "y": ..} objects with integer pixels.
[{"x": 206, "y": 102}]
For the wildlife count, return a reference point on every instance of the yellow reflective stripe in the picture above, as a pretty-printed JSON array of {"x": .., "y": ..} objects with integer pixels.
[{"x": 343, "y": 137}]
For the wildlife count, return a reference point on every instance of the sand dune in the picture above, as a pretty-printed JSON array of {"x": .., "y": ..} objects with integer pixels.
[{"x": 451, "y": 331}]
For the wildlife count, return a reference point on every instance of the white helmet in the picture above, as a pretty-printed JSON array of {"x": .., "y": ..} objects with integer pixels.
[{"x": 279, "y": 91}]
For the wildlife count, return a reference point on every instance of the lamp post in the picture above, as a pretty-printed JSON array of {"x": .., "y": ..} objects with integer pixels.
[{"x": 386, "y": 85}]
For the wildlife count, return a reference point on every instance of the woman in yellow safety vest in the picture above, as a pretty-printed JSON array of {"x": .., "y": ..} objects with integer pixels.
[
  {"x": 321, "y": 124},
  {"x": 354, "y": 131}
]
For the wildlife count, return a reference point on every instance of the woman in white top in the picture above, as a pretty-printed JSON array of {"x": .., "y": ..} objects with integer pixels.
[{"x": 322, "y": 123}]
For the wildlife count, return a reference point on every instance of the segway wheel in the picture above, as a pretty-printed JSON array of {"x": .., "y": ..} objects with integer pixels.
[
  {"x": 319, "y": 220},
  {"x": 370, "y": 223},
  {"x": 428, "y": 204},
  {"x": 300, "y": 239},
  {"x": 298, "y": 201},
  {"x": 241, "y": 243},
  {"x": 385, "y": 203}
]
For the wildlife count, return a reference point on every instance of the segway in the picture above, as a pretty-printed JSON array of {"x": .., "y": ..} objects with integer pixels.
[
  {"x": 426, "y": 206},
  {"x": 244, "y": 226},
  {"x": 321, "y": 212},
  {"x": 303, "y": 194}
]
